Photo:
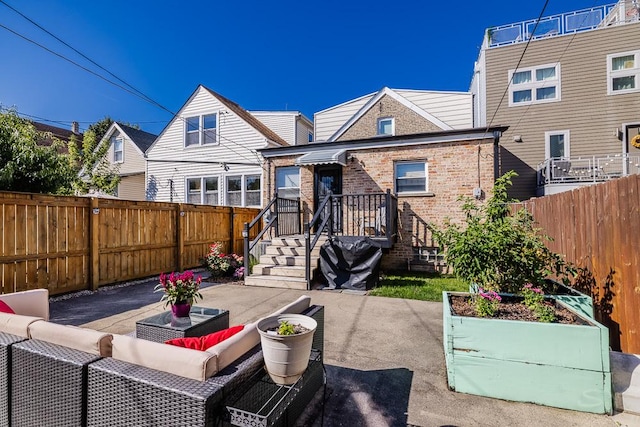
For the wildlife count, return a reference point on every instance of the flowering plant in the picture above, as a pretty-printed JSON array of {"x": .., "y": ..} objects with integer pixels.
[
  {"x": 534, "y": 300},
  {"x": 179, "y": 288},
  {"x": 221, "y": 264},
  {"x": 487, "y": 303}
]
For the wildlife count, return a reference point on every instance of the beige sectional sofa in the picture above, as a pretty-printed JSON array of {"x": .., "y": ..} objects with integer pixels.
[{"x": 65, "y": 375}]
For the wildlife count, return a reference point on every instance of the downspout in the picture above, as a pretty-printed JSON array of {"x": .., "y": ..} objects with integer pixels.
[{"x": 496, "y": 154}]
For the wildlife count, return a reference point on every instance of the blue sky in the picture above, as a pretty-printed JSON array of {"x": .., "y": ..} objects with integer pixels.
[{"x": 264, "y": 55}]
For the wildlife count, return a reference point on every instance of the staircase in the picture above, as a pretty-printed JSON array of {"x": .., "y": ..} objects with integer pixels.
[{"x": 283, "y": 264}]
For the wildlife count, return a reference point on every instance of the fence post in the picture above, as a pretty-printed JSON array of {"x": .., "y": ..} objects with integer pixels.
[
  {"x": 94, "y": 243},
  {"x": 232, "y": 235},
  {"x": 179, "y": 235},
  {"x": 387, "y": 215}
]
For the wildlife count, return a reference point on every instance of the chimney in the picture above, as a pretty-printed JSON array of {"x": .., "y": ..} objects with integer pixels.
[{"x": 75, "y": 128}]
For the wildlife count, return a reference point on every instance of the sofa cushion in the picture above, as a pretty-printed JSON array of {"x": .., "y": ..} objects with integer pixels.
[
  {"x": 204, "y": 342},
  {"x": 33, "y": 302},
  {"x": 16, "y": 324},
  {"x": 296, "y": 307},
  {"x": 231, "y": 349},
  {"x": 185, "y": 362},
  {"x": 4, "y": 308},
  {"x": 87, "y": 340}
]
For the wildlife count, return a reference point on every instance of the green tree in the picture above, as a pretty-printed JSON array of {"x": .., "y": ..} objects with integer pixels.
[
  {"x": 27, "y": 166},
  {"x": 95, "y": 172}
]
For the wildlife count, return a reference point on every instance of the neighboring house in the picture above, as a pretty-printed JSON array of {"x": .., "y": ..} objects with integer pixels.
[
  {"x": 208, "y": 153},
  {"x": 64, "y": 135},
  {"x": 127, "y": 147},
  {"x": 573, "y": 102},
  {"x": 394, "y": 161}
]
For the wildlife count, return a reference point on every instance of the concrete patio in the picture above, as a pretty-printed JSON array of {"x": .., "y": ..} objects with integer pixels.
[{"x": 384, "y": 357}]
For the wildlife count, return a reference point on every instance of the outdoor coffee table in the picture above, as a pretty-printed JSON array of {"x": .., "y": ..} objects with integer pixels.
[{"x": 165, "y": 326}]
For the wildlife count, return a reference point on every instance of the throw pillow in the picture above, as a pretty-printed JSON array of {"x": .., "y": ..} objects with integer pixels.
[
  {"x": 4, "y": 308},
  {"x": 206, "y": 341}
]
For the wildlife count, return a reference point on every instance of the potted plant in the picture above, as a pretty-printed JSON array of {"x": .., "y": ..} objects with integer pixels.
[
  {"x": 286, "y": 345},
  {"x": 180, "y": 290}
]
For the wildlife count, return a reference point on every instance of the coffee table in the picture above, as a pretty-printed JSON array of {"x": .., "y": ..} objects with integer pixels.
[{"x": 164, "y": 326}]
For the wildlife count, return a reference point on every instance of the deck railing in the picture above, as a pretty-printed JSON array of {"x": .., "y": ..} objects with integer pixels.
[{"x": 587, "y": 169}]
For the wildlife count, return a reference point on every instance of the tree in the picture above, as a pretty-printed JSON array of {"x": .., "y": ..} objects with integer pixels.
[
  {"x": 27, "y": 166},
  {"x": 91, "y": 162}
]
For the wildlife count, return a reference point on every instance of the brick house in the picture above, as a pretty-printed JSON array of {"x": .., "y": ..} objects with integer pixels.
[{"x": 391, "y": 167}]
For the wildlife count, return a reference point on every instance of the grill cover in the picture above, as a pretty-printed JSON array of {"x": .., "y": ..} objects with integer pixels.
[{"x": 350, "y": 262}]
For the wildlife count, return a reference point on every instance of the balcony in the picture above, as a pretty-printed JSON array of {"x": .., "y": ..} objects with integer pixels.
[
  {"x": 623, "y": 12},
  {"x": 566, "y": 173}
]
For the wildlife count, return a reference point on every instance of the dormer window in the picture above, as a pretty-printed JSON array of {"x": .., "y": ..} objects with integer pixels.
[{"x": 386, "y": 126}]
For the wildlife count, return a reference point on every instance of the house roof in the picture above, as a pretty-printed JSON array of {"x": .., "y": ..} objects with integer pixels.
[
  {"x": 142, "y": 139},
  {"x": 56, "y": 132},
  {"x": 249, "y": 118}
]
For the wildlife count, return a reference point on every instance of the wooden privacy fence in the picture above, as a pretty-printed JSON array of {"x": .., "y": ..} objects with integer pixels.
[
  {"x": 598, "y": 229},
  {"x": 73, "y": 243}
]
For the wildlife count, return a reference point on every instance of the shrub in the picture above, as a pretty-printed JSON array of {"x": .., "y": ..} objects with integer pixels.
[{"x": 224, "y": 265}]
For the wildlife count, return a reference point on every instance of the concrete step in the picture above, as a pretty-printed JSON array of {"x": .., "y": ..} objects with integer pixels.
[
  {"x": 290, "y": 250},
  {"x": 295, "y": 241},
  {"x": 285, "y": 260},
  {"x": 625, "y": 369},
  {"x": 276, "y": 282},
  {"x": 279, "y": 270}
]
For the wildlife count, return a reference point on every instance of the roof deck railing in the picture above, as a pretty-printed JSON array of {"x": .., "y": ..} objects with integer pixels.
[{"x": 559, "y": 170}]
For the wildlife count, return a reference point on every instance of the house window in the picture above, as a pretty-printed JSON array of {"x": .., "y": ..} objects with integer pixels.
[
  {"x": 288, "y": 182},
  {"x": 202, "y": 191},
  {"x": 234, "y": 191},
  {"x": 118, "y": 150},
  {"x": 386, "y": 126},
  {"x": 411, "y": 177},
  {"x": 201, "y": 130},
  {"x": 557, "y": 144},
  {"x": 534, "y": 85},
  {"x": 243, "y": 190},
  {"x": 623, "y": 72},
  {"x": 310, "y": 136},
  {"x": 252, "y": 190}
]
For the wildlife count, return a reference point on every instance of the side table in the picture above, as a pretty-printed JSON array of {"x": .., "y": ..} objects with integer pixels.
[{"x": 164, "y": 326}]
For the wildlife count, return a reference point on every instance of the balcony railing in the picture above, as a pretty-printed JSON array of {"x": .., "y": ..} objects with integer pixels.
[{"x": 587, "y": 169}]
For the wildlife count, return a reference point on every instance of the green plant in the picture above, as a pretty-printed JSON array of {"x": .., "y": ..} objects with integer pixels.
[
  {"x": 534, "y": 300},
  {"x": 221, "y": 264},
  {"x": 486, "y": 303},
  {"x": 286, "y": 328},
  {"x": 179, "y": 288},
  {"x": 497, "y": 249}
]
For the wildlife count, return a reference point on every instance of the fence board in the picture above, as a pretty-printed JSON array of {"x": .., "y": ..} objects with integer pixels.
[{"x": 597, "y": 228}]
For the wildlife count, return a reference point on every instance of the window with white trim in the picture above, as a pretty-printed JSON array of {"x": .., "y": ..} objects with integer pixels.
[
  {"x": 623, "y": 72},
  {"x": 201, "y": 130},
  {"x": 288, "y": 182},
  {"x": 203, "y": 191},
  {"x": 386, "y": 126},
  {"x": 534, "y": 85},
  {"x": 557, "y": 144},
  {"x": 243, "y": 190},
  {"x": 252, "y": 190},
  {"x": 118, "y": 149},
  {"x": 411, "y": 177}
]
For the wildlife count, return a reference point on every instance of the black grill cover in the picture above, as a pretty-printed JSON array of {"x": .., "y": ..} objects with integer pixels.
[{"x": 350, "y": 262}]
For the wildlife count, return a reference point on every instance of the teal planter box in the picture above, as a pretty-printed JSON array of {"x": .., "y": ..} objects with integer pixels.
[{"x": 552, "y": 364}]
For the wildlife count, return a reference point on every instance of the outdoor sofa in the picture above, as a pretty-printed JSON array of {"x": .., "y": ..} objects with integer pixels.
[{"x": 65, "y": 375}]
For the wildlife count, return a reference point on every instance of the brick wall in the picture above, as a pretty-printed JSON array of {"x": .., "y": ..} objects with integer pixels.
[{"x": 406, "y": 121}]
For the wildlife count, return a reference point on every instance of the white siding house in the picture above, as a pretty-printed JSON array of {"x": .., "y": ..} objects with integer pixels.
[
  {"x": 292, "y": 126},
  {"x": 207, "y": 154}
]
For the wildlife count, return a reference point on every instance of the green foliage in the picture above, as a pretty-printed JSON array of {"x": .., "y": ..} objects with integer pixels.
[
  {"x": 27, "y": 166},
  {"x": 286, "y": 328},
  {"x": 486, "y": 303},
  {"x": 424, "y": 287},
  {"x": 498, "y": 250},
  {"x": 534, "y": 300}
]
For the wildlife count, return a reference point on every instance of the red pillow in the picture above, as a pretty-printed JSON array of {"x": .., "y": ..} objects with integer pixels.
[
  {"x": 4, "y": 308},
  {"x": 204, "y": 342}
]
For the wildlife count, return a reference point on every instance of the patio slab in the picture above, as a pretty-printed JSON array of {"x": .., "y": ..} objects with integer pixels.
[{"x": 384, "y": 357}]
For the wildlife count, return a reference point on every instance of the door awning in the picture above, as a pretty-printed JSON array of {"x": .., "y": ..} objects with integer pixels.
[{"x": 324, "y": 157}]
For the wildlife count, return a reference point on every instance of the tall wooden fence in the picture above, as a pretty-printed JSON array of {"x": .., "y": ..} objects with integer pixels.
[
  {"x": 73, "y": 243},
  {"x": 598, "y": 229}
]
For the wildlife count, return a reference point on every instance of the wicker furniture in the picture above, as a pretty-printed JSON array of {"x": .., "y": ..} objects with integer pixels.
[
  {"x": 125, "y": 394},
  {"x": 164, "y": 326},
  {"x": 6, "y": 341}
]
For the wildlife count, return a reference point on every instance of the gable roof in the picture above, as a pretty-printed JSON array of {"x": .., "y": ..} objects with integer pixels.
[
  {"x": 140, "y": 138},
  {"x": 249, "y": 118},
  {"x": 59, "y": 133},
  {"x": 392, "y": 94}
]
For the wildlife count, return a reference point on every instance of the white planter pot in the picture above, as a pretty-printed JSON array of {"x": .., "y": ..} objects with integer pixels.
[{"x": 286, "y": 356}]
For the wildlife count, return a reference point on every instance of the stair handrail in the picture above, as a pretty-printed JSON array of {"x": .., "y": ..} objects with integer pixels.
[
  {"x": 248, "y": 245},
  {"x": 310, "y": 244}
]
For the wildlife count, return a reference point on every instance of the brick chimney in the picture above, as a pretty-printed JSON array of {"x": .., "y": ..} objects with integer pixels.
[{"x": 75, "y": 128}]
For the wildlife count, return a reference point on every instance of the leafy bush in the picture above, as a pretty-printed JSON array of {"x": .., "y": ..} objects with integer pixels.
[{"x": 224, "y": 265}]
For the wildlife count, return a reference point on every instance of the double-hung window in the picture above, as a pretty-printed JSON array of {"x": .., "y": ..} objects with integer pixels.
[
  {"x": 534, "y": 85},
  {"x": 288, "y": 182},
  {"x": 118, "y": 149},
  {"x": 203, "y": 191},
  {"x": 243, "y": 190},
  {"x": 557, "y": 144},
  {"x": 411, "y": 177},
  {"x": 623, "y": 72},
  {"x": 201, "y": 130}
]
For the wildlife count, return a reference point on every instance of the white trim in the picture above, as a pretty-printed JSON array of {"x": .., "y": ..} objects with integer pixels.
[
  {"x": 243, "y": 188},
  {"x": 203, "y": 190},
  {"x": 567, "y": 142},
  {"x": 631, "y": 72},
  {"x": 393, "y": 126},
  {"x": 201, "y": 129},
  {"x": 426, "y": 176},
  {"x": 113, "y": 140},
  {"x": 401, "y": 99},
  {"x": 534, "y": 85}
]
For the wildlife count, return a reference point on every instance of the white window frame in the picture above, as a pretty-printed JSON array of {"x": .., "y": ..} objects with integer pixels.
[
  {"x": 288, "y": 189},
  {"x": 243, "y": 188},
  {"x": 629, "y": 72},
  {"x": 121, "y": 141},
  {"x": 203, "y": 188},
  {"x": 426, "y": 177},
  {"x": 567, "y": 142},
  {"x": 201, "y": 131},
  {"x": 393, "y": 126},
  {"x": 534, "y": 85}
]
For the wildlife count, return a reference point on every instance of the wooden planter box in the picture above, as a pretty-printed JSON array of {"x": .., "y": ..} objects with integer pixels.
[{"x": 552, "y": 364}]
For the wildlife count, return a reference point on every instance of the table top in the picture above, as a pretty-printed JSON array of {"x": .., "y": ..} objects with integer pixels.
[{"x": 197, "y": 315}]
